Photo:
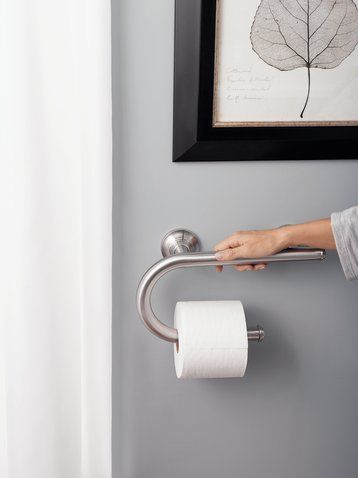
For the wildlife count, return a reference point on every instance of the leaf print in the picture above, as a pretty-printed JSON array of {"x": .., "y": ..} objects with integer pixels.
[{"x": 290, "y": 34}]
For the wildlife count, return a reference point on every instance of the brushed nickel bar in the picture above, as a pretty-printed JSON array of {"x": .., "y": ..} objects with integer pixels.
[{"x": 176, "y": 260}]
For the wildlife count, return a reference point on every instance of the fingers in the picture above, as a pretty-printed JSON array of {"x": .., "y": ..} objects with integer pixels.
[
  {"x": 260, "y": 267},
  {"x": 247, "y": 267},
  {"x": 250, "y": 267}
]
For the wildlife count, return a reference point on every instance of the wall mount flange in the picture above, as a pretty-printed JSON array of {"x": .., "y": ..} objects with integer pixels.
[{"x": 179, "y": 241}]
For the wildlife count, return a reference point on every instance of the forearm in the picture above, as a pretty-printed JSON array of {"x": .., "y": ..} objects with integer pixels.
[{"x": 314, "y": 234}]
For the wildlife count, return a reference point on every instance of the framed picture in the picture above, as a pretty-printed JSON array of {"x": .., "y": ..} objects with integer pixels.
[{"x": 265, "y": 80}]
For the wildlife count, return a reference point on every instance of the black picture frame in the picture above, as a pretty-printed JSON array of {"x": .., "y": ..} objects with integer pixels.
[{"x": 194, "y": 137}]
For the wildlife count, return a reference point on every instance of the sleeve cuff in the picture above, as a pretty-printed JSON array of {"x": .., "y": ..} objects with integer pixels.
[{"x": 339, "y": 233}]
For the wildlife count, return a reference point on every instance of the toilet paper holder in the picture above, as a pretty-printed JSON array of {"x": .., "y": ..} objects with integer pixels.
[{"x": 180, "y": 248}]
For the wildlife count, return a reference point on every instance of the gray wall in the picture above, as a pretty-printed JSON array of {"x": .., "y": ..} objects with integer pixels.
[{"x": 295, "y": 414}]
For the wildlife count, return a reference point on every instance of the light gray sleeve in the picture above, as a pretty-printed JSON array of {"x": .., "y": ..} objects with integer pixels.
[{"x": 345, "y": 232}]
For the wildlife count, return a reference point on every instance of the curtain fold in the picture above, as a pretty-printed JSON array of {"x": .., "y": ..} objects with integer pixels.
[{"x": 55, "y": 239}]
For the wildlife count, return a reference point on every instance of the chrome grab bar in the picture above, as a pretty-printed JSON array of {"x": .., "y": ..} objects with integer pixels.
[{"x": 173, "y": 245}]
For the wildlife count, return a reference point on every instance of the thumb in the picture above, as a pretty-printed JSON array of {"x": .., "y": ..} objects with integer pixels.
[{"x": 230, "y": 254}]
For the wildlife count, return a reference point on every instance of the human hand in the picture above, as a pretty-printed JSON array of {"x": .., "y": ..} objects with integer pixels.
[{"x": 251, "y": 244}]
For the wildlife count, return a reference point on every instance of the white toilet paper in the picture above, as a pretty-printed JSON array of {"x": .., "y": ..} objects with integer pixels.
[{"x": 212, "y": 339}]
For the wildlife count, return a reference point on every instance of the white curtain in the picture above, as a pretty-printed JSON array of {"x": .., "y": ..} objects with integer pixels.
[{"x": 55, "y": 239}]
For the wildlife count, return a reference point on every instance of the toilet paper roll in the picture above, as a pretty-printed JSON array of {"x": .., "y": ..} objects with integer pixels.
[{"x": 212, "y": 339}]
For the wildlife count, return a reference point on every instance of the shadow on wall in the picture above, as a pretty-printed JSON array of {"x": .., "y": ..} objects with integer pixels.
[{"x": 277, "y": 361}]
